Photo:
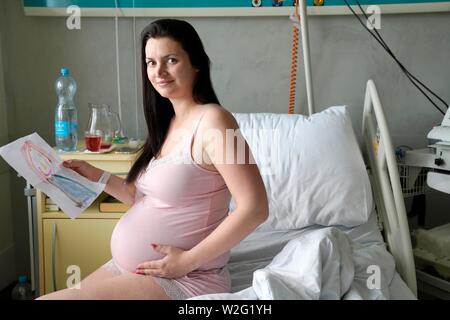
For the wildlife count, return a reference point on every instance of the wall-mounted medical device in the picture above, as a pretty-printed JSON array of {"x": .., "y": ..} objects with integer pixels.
[{"x": 436, "y": 156}]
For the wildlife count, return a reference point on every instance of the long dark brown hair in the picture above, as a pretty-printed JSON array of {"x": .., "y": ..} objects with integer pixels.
[{"x": 158, "y": 111}]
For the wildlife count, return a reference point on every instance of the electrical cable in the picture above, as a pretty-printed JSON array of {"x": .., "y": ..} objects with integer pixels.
[
  {"x": 380, "y": 40},
  {"x": 294, "y": 58},
  {"x": 398, "y": 62},
  {"x": 395, "y": 58},
  {"x": 405, "y": 71}
]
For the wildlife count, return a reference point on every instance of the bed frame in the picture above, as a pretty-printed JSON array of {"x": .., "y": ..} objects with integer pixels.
[{"x": 382, "y": 168}]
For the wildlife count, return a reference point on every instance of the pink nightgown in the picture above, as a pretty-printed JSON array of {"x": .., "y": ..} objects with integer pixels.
[{"x": 179, "y": 204}]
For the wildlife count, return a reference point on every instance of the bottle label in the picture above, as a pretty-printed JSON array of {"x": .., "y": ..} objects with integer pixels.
[
  {"x": 64, "y": 128},
  {"x": 61, "y": 128}
]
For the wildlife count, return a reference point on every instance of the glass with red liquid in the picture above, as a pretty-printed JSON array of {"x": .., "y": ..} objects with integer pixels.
[
  {"x": 93, "y": 142},
  {"x": 99, "y": 132}
]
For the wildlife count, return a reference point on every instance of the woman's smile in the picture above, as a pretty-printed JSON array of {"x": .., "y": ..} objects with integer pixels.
[{"x": 164, "y": 83}]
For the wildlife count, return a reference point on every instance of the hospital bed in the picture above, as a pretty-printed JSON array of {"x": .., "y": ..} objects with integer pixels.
[{"x": 337, "y": 227}]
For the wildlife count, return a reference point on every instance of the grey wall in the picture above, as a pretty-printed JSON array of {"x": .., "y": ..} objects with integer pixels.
[
  {"x": 7, "y": 252},
  {"x": 251, "y": 63}
]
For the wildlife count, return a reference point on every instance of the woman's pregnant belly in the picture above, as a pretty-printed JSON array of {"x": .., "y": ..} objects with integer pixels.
[{"x": 146, "y": 224}]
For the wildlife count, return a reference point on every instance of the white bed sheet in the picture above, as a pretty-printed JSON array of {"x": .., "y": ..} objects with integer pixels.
[{"x": 259, "y": 248}]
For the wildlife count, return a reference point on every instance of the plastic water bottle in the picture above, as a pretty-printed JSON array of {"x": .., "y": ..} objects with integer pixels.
[
  {"x": 66, "y": 123},
  {"x": 22, "y": 290}
]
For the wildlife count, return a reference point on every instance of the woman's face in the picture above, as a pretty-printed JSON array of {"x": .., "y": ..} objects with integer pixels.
[{"x": 169, "y": 68}]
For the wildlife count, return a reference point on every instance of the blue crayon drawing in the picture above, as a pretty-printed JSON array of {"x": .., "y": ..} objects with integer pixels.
[{"x": 45, "y": 167}]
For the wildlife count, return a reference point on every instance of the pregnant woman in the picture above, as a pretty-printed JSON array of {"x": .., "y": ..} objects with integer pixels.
[{"x": 175, "y": 240}]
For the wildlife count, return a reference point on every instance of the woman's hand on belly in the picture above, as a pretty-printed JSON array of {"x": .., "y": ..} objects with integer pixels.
[{"x": 175, "y": 264}]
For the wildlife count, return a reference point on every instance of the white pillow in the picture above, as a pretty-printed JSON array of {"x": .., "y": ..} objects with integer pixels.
[{"x": 312, "y": 168}]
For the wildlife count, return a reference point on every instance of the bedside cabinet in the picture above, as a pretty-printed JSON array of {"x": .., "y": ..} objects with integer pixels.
[{"x": 67, "y": 246}]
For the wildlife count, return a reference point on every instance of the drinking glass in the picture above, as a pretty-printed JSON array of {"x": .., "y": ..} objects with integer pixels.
[
  {"x": 116, "y": 124},
  {"x": 99, "y": 132}
]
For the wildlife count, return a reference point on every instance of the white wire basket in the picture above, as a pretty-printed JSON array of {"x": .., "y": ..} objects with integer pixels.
[{"x": 413, "y": 180}]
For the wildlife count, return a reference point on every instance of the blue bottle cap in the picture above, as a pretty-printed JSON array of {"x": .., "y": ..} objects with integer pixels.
[
  {"x": 23, "y": 279},
  {"x": 65, "y": 72}
]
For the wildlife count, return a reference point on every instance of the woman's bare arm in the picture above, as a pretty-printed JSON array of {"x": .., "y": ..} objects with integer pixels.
[
  {"x": 246, "y": 186},
  {"x": 120, "y": 190},
  {"x": 115, "y": 186}
]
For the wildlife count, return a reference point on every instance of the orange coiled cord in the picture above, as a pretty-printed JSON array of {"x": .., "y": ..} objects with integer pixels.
[{"x": 292, "y": 83}]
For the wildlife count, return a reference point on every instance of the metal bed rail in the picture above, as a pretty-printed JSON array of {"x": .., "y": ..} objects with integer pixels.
[{"x": 384, "y": 176}]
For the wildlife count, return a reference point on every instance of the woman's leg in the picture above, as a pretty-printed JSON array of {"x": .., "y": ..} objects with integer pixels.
[
  {"x": 125, "y": 286},
  {"x": 106, "y": 271},
  {"x": 102, "y": 273}
]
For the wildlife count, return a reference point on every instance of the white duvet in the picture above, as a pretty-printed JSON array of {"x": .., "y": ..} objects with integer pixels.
[{"x": 321, "y": 263}]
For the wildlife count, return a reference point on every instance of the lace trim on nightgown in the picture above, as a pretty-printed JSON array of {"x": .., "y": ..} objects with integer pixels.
[{"x": 169, "y": 286}]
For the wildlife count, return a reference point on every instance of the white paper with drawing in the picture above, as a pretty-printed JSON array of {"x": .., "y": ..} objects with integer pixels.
[{"x": 41, "y": 166}]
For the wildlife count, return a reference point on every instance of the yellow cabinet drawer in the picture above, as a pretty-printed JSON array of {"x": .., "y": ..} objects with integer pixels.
[{"x": 79, "y": 243}]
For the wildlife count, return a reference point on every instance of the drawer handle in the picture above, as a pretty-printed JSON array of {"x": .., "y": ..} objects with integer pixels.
[{"x": 54, "y": 256}]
